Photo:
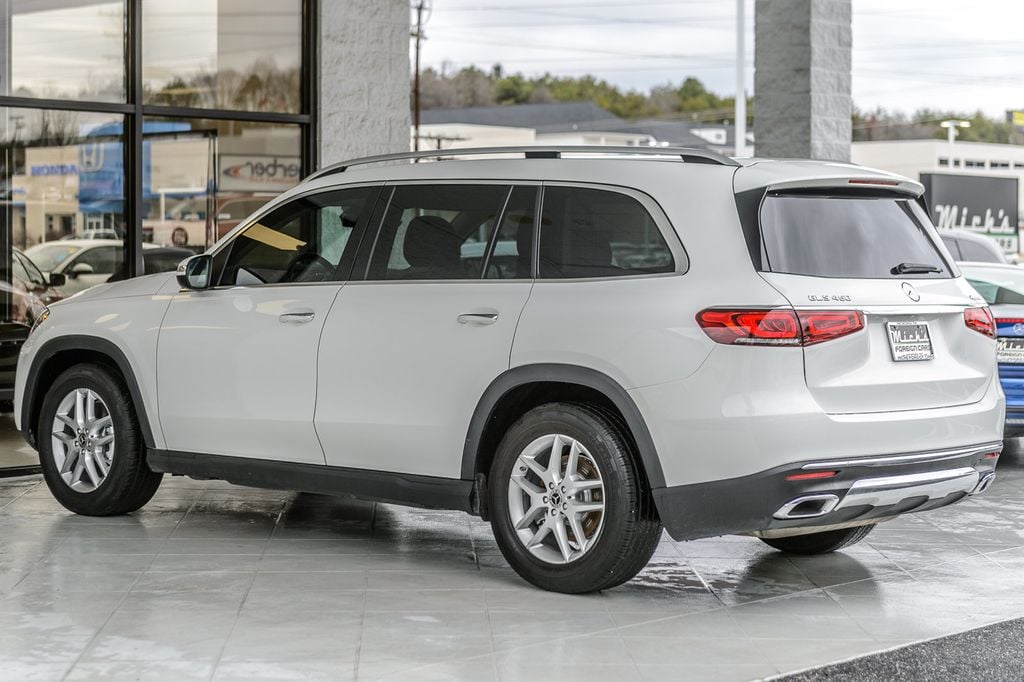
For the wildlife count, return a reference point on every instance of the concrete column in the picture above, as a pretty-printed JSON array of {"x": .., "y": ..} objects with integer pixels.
[
  {"x": 802, "y": 102},
  {"x": 364, "y": 78}
]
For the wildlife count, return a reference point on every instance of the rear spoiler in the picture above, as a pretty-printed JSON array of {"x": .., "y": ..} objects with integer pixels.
[{"x": 893, "y": 183}]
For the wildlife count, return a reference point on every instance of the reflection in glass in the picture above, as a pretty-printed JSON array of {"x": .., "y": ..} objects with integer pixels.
[
  {"x": 61, "y": 214},
  {"x": 201, "y": 178},
  {"x": 239, "y": 54},
  {"x": 63, "y": 49}
]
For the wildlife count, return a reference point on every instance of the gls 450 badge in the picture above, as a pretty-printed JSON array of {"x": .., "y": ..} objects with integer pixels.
[{"x": 828, "y": 298}]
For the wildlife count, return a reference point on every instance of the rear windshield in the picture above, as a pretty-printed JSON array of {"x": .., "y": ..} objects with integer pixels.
[{"x": 851, "y": 236}]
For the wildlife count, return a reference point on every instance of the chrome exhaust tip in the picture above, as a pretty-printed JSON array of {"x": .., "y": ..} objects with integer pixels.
[
  {"x": 984, "y": 484},
  {"x": 807, "y": 507}
]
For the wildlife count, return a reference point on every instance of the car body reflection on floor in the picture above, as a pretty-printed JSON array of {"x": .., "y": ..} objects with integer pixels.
[{"x": 215, "y": 581}]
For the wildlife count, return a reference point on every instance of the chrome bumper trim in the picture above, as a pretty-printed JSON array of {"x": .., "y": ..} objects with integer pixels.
[
  {"x": 889, "y": 460},
  {"x": 889, "y": 490}
]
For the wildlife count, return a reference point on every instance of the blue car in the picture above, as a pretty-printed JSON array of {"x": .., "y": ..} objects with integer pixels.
[{"x": 1002, "y": 286}]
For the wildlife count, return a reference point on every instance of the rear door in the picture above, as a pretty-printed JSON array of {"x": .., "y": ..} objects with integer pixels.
[
  {"x": 406, "y": 354},
  {"x": 876, "y": 253}
]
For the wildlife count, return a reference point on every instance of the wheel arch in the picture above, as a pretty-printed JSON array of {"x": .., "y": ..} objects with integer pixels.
[
  {"x": 57, "y": 355},
  {"x": 500, "y": 397}
]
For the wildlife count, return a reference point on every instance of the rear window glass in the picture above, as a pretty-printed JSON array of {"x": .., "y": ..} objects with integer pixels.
[{"x": 849, "y": 236}]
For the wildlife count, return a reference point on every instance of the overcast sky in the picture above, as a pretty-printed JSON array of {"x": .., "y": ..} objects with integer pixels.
[{"x": 907, "y": 54}]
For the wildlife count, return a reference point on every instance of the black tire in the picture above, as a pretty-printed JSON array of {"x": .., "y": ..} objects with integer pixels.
[
  {"x": 820, "y": 543},
  {"x": 130, "y": 483},
  {"x": 631, "y": 529}
]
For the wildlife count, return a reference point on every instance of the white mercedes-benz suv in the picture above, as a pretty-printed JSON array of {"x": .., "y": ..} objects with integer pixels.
[{"x": 582, "y": 345}]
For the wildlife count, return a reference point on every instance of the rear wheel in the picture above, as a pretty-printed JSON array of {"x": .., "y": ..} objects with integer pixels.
[
  {"x": 90, "y": 444},
  {"x": 820, "y": 543},
  {"x": 569, "y": 507}
]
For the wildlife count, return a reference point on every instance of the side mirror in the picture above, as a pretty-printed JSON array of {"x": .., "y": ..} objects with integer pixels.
[
  {"x": 57, "y": 279},
  {"x": 80, "y": 269},
  {"x": 195, "y": 272}
]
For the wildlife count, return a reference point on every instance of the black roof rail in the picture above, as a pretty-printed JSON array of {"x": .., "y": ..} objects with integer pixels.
[{"x": 687, "y": 154}]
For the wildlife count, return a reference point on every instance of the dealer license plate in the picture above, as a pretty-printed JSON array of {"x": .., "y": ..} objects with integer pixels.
[
  {"x": 909, "y": 341},
  {"x": 1010, "y": 351}
]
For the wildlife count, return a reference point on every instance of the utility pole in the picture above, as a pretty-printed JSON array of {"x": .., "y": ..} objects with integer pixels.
[
  {"x": 418, "y": 36},
  {"x": 740, "y": 128}
]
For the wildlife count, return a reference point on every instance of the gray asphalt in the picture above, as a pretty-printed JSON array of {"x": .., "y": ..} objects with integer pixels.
[{"x": 994, "y": 654}]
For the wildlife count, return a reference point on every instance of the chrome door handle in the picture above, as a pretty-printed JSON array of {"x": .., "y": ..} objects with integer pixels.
[
  {"x": 305, "y": 316},
  {"x": 477, "y": 318}
]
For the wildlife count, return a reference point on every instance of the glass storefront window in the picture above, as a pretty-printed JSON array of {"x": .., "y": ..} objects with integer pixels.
[
  {"x": 241, "y": 54},
  {"x": 63, "y": 49},
  {"x": 202, "y": 177},
  {"x": 61, "y": 212}
]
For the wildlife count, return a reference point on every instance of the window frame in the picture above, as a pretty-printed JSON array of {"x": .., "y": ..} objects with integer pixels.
[
  {"x": 364, "y": 258},
  {"x": 221, "y": 251},
  {"x": 134, "y": 111},
  {"x": 668, "y": 232}
]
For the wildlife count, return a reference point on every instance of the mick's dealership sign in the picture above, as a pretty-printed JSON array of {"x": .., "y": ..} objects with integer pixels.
[
  {"x": 258, "y": 173},
  {"x": 983, "y": 204}
]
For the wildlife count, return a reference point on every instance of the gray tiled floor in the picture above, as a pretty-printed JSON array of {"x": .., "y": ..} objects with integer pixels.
[{"x": 211, "y": 581}]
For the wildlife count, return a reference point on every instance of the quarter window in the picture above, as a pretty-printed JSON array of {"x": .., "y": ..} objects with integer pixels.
[
  {"x": 305, "y": 240},
  {"x": 596, "y": 233},
  {"x": 432, "y": 232}
]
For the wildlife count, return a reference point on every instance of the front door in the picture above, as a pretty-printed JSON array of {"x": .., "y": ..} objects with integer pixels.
[
  {"x": 236, "y": 364},
  {"x": 407, "y": 353}
]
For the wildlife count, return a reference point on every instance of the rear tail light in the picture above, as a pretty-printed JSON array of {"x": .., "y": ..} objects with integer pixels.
[
  {"x": 777, "y": 327},
  {"x": 980, "y": 320}
]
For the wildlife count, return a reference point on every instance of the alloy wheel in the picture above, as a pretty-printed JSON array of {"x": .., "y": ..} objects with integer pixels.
[
  {"x": 83, "y": 440},
  {"x": 556, "y": 499}
]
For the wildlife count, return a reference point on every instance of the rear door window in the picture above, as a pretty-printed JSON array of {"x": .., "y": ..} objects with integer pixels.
[
  {"x": 434, "y": 232},
  {"x": 849, "y": 236}
]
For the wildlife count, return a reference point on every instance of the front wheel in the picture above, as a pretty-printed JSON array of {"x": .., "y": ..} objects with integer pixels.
[
  {"x": 569, "y": 507},
  {"x": 90, "y": 445},
  {"x": 820, "y": 543}
]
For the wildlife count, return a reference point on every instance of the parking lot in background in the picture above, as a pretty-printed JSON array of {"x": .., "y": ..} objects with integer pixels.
[{"x": 213, "y": 581}]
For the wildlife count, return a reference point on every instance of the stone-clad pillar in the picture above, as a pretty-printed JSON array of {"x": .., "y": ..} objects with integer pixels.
[
  {"x": 364, "y": 78},
  {"x": 802, "y": 63}
]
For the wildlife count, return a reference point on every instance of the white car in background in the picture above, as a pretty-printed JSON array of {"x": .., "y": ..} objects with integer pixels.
[
  {"x": 84, "y": 263},
  {"x": 670, "y": 338}
]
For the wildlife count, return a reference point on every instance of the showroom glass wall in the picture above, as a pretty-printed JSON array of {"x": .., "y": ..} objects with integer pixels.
[{"x": 145, "y": 127}]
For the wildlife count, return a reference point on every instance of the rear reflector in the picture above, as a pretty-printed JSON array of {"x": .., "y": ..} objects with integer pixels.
[
  {"x": 980, "y": 320},
  {"x": 810, "y": 476},
  {"x": 990, "y": 455},
  {"x": 777, "y": 327}
]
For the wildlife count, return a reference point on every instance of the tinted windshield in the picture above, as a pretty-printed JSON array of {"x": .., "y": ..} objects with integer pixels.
[
  {"x": 48, "y": 257},
  {"x": 852, "y": 236}
]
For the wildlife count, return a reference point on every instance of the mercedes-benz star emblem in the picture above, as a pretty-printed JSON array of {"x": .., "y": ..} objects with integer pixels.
[{"x": 911, "y": 292}]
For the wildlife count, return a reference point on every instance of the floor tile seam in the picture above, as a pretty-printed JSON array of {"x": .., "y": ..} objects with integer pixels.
[
  {"x": 106, "y": 621},
  {"x": 703, "y": 581},
  {"x": 245, "y": 597},
  {"x": 907, "y": 569},
  {"x": 362, "y": 616}
]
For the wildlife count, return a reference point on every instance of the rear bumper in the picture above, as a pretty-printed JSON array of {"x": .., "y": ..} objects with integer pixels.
[{"x": 863, "y": 489}]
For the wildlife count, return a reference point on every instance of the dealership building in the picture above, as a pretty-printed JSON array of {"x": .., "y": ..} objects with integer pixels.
[{"x": 166, "y": 121}]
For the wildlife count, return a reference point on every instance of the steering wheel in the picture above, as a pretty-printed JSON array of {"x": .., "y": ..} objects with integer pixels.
[{"x": 309, "y": 267}]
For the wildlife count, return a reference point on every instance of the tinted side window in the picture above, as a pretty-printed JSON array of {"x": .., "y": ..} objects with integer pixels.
[
  {"x": 511, "y": 255},
  {"x": 597, "y": 233},
  {"x": 972, "y": 251},
  {"x": 436, "y": 232},
  {"x": 302, "y": 241},
  {"x": 103, "y": 259}
]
